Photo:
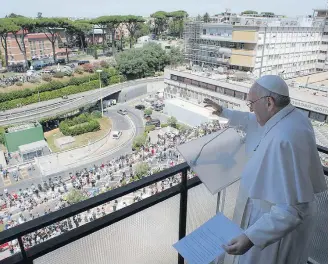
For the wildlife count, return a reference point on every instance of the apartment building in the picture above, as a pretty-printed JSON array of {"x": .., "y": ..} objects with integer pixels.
[
  {"x": 322, "y": 63},
  {"x": 195, "y": 86},
  {"x": 277, "y": 45},
  {"x": 37, "y": 45}
]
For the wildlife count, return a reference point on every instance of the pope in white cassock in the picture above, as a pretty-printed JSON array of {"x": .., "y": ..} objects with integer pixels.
[{"x": 276, "y": 204}]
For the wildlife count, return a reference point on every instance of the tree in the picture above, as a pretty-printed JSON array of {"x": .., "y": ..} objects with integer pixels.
[
  {"x": 141, "y": 170},
  {"x": 75, "y": 196},
  {"x": 39, "y": 15},
  {"x": 26, "y": 25},
  {"x": 52, "y": 27},
  {"x": 142, "y": 30},
  {"x": 139, "y": 141},
  {"x": 77, "y": 31},
  {"x": 249, "y": 12},
  {"x": 160, "y": 21},
  {"x": 175, "y": 56},
  {"x": 178, "y": 18},
  {"x": 132, "y": 23},
  {"x": 206, "y": 18},
  {"x": 6, "y": 27},
  {"x": 172, "y": 121},
  {"x": 142, "y": 62},
  {"x": 199, "y": 18}
]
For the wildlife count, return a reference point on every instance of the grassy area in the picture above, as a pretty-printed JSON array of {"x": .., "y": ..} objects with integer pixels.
[
  {"x": 34, "y": 85},
  {"x": 80, "y": 140}
]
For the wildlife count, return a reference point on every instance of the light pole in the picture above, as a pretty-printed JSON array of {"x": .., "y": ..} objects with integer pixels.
[{"x": 100, "y": 90}]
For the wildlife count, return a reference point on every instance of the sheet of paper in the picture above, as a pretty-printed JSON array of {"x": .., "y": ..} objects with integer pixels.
[
  {"x": 220, "y": 162},
  {"x": 203, "y": 245}
]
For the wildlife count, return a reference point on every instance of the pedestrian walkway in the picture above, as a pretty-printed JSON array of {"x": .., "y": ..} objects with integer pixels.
[{"x": 6, "y": 180}]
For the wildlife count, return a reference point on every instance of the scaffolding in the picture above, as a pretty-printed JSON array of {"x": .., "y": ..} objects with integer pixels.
[{"x": 204, "y": 51}]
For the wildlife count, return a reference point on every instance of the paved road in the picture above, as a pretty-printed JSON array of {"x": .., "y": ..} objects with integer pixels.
[
  {"x": 58, "y": 106},
  {"x": 119, "y": 123}
]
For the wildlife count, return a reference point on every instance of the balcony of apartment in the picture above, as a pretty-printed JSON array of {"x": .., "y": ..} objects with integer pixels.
[
  {"x": 143, "y": 232},
  {"x": 242, "y": 60},
  {"x": 245, "y": 36}
]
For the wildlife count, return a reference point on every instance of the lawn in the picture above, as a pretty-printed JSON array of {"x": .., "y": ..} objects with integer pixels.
[{"x": 80, "y": 140}]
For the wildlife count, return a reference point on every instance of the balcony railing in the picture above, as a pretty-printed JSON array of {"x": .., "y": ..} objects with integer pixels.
[{"x": 142, "y": 232}]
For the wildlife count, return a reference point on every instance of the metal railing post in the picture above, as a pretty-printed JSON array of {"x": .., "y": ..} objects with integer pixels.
[
  {"x": 21, "y": 245},
  {"x": 182, "y": 211}
]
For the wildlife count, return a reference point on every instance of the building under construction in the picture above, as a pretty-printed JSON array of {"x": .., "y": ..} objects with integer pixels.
[{"x": 276, "y": 45}]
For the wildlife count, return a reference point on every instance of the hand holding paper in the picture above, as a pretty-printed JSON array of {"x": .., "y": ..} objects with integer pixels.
[{"x": 205, "y": 243}]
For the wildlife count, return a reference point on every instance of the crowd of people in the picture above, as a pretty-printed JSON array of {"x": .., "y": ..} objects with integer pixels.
[
  {"x": 36, "y": 200},
  {"x": 7, "y": 81}
]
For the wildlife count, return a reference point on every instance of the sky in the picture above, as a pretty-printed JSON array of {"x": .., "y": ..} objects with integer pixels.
[{"x": 94, "y": 8}]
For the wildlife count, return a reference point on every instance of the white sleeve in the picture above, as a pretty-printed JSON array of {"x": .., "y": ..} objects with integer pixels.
[
  {"x": 272, "y": 226},
  {"x": 236, "y": 119}
]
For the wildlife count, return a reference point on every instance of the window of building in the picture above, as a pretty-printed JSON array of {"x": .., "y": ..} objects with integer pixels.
[
  {"x": 173, "y": 77},
  {"x": 180, "y": 79},
  {"x": 325, "y": 33},
  {"x": 325, "y": 42},
  {"x": 187, "y": 81},
  {"x": 203, "y": 85},
  {"x": 229, "y": 92},
  {"x": 211, "y": 87},
  {"x": 219, "y": 89},
  {"x": 204, "y": 31},
  {"x": 196, "y": 83},
  {"x": 239, "y": 95},
  {"x": 317, "y": 116},
  {"x": 321, "y": 61}
]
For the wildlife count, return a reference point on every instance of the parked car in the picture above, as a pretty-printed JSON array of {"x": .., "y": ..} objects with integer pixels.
[
  {"x": 116, "y": 134},
  {"x": 60, "y": 61},
  {"x": 83, "y": 62},
  {"x": 122, "y": 111},
  {"x": 158, "y": 108},
  {"x": 153, "y": 122},
  {"x": 140, "y": 107}
]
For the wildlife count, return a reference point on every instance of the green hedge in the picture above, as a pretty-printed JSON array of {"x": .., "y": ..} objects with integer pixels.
[
  {"x": 45, "y": 96},
  {"x": 78, "y": 125},
  {"x": 53, "y": 85}
]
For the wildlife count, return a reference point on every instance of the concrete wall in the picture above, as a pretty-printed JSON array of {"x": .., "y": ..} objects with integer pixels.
[
  {"x": 184, "y": 115},
  {"x": 132, "y": 92}
]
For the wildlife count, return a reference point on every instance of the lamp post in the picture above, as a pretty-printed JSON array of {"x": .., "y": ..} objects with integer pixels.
[{"x": 100, "y": 90}]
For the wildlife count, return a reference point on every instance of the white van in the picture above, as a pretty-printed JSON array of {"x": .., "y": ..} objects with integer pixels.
[{"x": 116, "y": 134}]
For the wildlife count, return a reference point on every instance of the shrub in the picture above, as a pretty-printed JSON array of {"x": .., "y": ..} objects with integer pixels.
[
  {"x": 172, "y": 121},
  {"x": 2, "y": 85},
  {"x": 79, "y": 70},
  {"x": 59, "y": 75},
  {"x": 139, "y": 141},
  {"x": 34, "y": 80},
  {"x": 19, "y": 83},
  {"x": 148, "y": 111},
  {"x": 46, "y": 77},
  {"x": 104, "y": 64},
  {"x": 2, "y": 135},
  {"x": 96, "y": 114},
  {"x": 141, "y": 170},
  {"x": 149, "y": 128},
  {"x": 164, "y": 125},
  {"x": 81, "y": 124},
  {"x": 88, "y": 67}
]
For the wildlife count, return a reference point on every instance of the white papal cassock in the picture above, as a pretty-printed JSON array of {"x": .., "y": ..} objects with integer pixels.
[{"x": 275, "y": 205}]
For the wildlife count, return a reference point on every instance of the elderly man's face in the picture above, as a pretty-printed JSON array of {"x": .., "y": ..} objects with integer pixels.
[{"x": 259, "y": 105}]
